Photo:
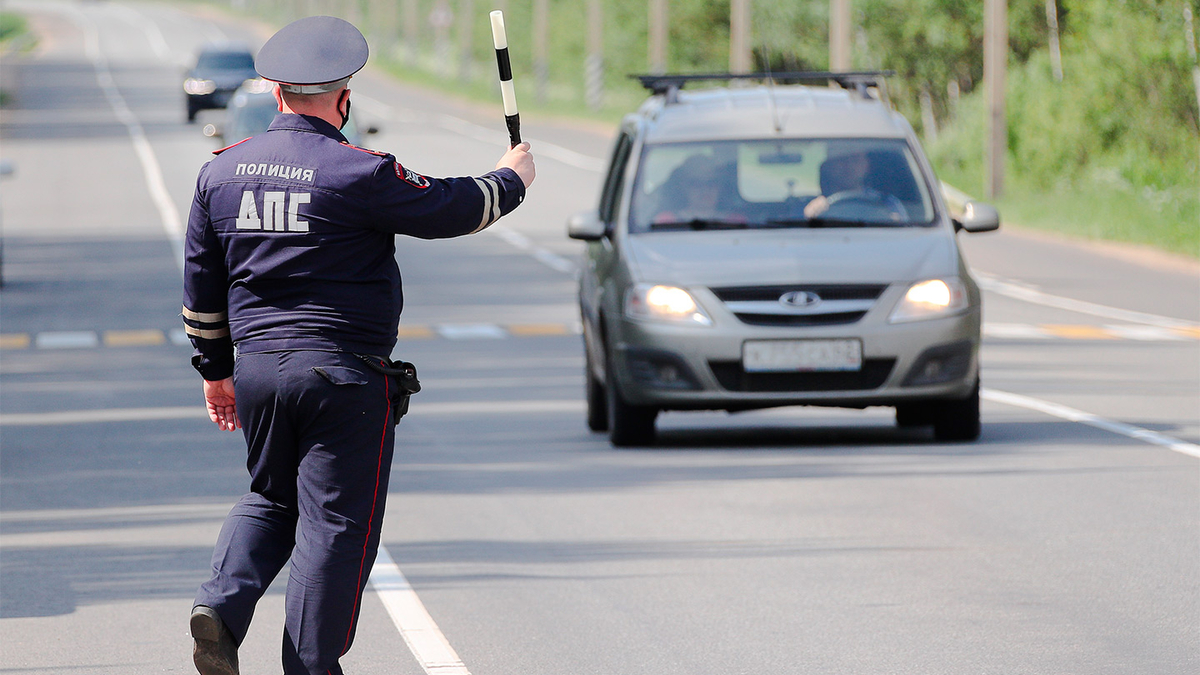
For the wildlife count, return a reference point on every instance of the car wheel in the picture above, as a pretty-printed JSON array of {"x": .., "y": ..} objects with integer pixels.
[
  {"x": 597, "y": 404},
  {"x": 628, "y": 425},
  {"x": 957, "y": 419}
]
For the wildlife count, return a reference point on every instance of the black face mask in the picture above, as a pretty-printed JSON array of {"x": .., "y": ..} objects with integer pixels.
[{"x": 346, "y": 115}]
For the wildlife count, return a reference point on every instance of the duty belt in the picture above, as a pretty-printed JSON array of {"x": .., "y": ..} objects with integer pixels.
[{"x": 405, "y": 374}]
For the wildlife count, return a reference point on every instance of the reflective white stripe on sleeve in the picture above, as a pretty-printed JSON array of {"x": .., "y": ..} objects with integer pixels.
[
  {"x": 487, "y": 204},
  {"x": 206, "y": 334},
  {"x": 205, "y": 317},
  {"x": 495, "y": 198}
]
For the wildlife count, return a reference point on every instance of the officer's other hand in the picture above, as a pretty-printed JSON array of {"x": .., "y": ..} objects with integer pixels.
[
  {"x": 222, "y": 410},
  {"x": 520, "y": 160}
]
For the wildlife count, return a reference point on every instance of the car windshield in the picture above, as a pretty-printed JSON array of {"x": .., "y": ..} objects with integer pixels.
[
  {"x": 225, "y": 61},
  {"x": 779, "y": 183},
  {"x": 248, "y": 115}
]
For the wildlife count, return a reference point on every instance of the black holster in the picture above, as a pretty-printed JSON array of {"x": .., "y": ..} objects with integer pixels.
[{"x": 401, "y": 372}]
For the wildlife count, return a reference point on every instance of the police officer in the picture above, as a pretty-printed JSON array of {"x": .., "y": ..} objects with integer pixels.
[{"x": 292, "y": 300}]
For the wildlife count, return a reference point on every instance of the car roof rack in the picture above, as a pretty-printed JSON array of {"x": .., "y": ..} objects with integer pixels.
[{"x": 861, "y": 81}]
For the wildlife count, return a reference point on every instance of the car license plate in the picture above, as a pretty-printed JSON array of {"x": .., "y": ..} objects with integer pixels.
[{"x": 765, "y": 356}]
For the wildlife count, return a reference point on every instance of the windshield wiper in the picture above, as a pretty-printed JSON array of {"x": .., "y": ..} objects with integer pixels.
[{"x": 702, "y": 224}]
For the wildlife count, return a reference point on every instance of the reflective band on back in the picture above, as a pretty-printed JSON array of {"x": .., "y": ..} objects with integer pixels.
[
  {"x": 205, "y": 317},
  {"x": 206, "y": 334}
]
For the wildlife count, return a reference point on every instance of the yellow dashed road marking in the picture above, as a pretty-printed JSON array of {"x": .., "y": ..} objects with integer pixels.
[
  {"x": 414, "y": 332},
  {"x": 533, "y": 329},
  {"x": 133, "y": 338},
  {"x": 154, "y": 337},
  {"x": 1193, "y": 332},
  {"x": 1079, "y": 332},
  {"x": 14, "y": 341}
]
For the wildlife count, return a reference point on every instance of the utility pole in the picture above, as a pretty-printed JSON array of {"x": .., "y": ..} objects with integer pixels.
[
  {"x": 740, "y": 57},
  {"x": 839, "y": 35},
  {"x": 593, "y": 67},
  {"x": 1190, "y": 34},
  {"x": 1055, "y": 51},
  {"x": 995, "y": 72},
  {"x": 658, "y": 36}
]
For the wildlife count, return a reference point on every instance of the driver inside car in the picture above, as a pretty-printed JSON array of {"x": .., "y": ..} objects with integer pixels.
[{"x": 845, "y": 177}]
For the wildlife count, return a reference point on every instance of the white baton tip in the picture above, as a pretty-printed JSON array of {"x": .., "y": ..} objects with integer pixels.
[{"x": 498, "y": 35}]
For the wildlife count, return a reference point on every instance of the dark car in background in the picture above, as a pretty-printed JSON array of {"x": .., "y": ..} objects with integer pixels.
[
  {"x": 220, "y": 69},
  {"x": 253, "y": 107}
]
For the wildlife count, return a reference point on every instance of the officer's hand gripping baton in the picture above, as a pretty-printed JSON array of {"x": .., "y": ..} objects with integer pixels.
[{"x": 511, "y": 117}]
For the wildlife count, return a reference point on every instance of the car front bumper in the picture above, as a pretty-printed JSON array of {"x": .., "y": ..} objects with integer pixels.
[{"x": 684, "y": 367}]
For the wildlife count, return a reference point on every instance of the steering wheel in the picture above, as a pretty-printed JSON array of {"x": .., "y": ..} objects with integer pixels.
[{"x": 866, "y": 205}]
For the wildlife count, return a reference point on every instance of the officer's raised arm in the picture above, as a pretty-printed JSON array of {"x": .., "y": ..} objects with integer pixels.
[{"x": 406, "y": 202}]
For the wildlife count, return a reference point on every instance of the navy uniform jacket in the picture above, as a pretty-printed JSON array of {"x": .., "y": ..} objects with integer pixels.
[{"x": 290, "y": 242}]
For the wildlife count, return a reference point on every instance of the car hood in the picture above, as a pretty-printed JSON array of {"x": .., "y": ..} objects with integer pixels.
[
  {"x": 225, "y": 79},
  {"x": 788, "y": 256}
]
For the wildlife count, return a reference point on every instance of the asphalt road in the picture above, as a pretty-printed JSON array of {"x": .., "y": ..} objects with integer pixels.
[{"x": 1066, "y": 540}]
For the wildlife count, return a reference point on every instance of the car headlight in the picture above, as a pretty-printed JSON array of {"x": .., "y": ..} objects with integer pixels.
[
  {"x": 931, "y": 299},
  {"x": 198, "y": 87},
  {"x": 664, "y": 303}
]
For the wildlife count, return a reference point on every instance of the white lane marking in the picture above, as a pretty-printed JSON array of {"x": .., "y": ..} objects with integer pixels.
[
  {"x": 124, "y": 514},
  {"x": 79, "y": 339},
  {"x": 493, "y": 136},
  {"x": 524, "y": 243},
  {"x": 61, "y": 417},
  {"x": 1014, "y": 331},
  {"x": 471, "y": 331},
  {"x": 554, "y": 261},
  {"x": 495, "y": 407},
  {"x": 168, "y": 213},
  {"x": 416, "y": 626},
  {"x": 544, "y": 148},
  {"x": 1144, "y": 333},
  {"x": 1073, "y": 415},
  {"x": 1031, "y": 295},
  {"x": 419, "y": 409}
]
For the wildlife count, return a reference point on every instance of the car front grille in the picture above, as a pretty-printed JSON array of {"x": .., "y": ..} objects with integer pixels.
[
  {"x": 824, "y": 305},
  {"x": 732, "y": 377}
]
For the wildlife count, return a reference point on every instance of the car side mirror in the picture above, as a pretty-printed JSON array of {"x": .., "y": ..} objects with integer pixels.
[
  {"x": 977, "y": 217},
  {"x": 586, "y": 226}
]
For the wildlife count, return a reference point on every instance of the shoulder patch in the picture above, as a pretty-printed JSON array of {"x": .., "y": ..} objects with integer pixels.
[
  {"x": 366, "y": 150},
  {"x": 217, "y": 152},
  {"x": 411, "y": 177}
]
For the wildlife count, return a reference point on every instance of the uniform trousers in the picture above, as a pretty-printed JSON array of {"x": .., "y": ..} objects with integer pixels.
[{"x": 320, "y": 437}]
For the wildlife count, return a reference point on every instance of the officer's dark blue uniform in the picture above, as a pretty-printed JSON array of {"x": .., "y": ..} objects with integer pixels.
[{"x": 290, "y": 257}]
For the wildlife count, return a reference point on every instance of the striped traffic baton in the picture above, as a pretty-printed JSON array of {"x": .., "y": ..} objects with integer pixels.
[{"x": 511, "y": 117}]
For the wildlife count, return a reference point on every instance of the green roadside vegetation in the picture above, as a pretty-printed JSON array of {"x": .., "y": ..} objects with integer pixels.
[
  {"x": 12, "y": 25},
  {"x": 1111, "y": 151},
  {"x": 14, "y": 36}
]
